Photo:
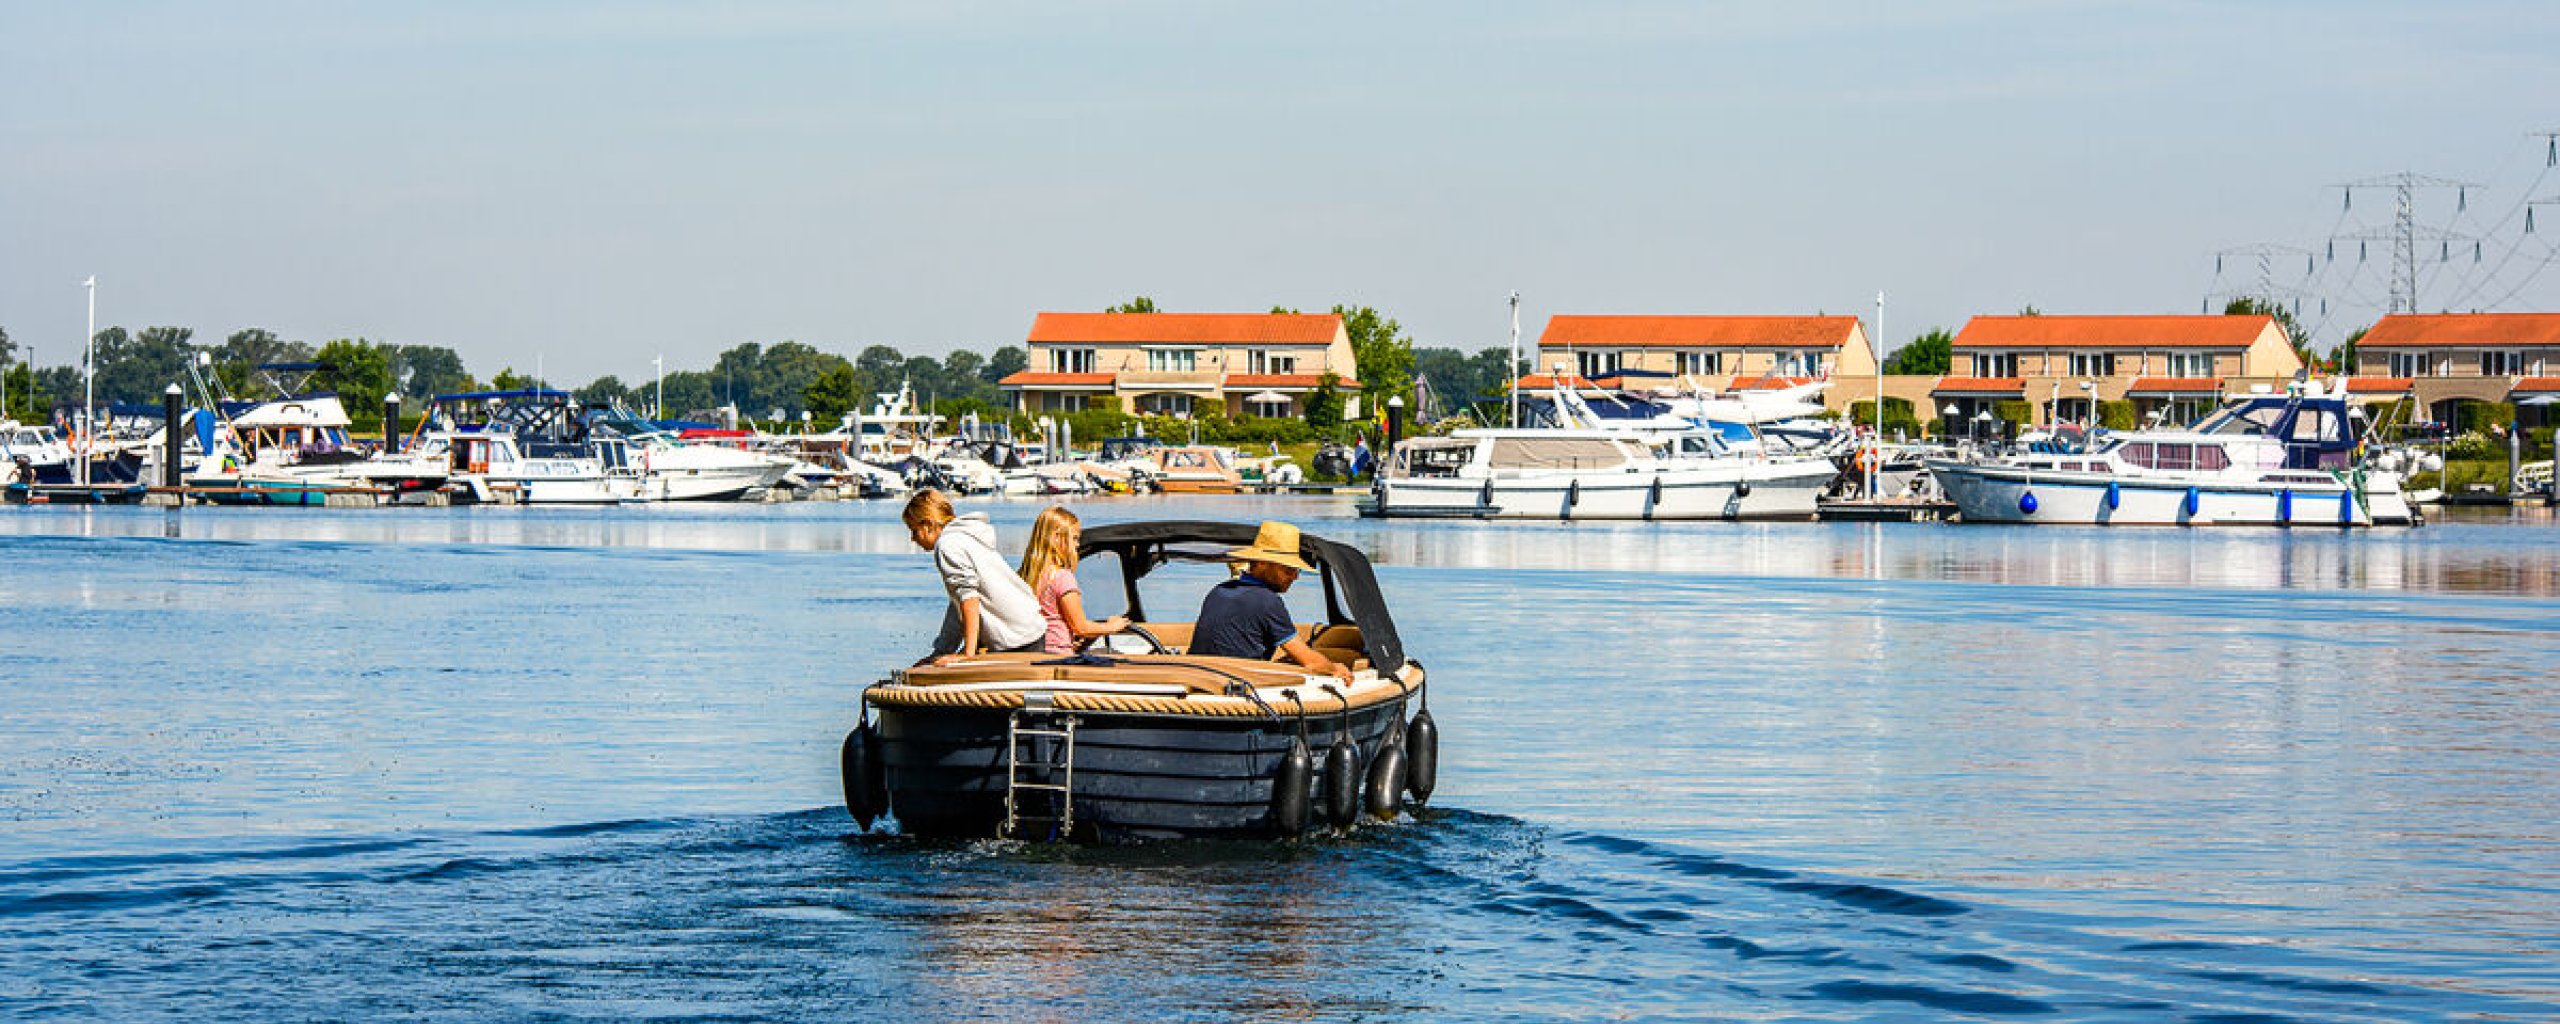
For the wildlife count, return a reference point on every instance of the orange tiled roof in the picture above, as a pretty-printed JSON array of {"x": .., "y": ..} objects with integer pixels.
[
  {"x": 1980, "y": 385},
  {"x": 1698, "y": 331},
  {"x": 1187, "y": 328},
  {"x": 2377, "y": 385},
  {"x": 2463, "y": 330},
  {"x": 1042, "y": 379},
  {"x": 1769, "y": 383},
  {"x": 2536, "y": 384},
  {"x": 1536, "y": 381},
  {"x": 2176, "y": 385},
  {"x": 2069, "y": 332},
  {"x": 1240, "y": 381}
]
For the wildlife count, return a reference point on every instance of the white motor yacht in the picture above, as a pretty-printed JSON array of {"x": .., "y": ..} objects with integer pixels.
[
  {"x": 1593, "y": 474},
  {"x": 2260, "y": 460}
]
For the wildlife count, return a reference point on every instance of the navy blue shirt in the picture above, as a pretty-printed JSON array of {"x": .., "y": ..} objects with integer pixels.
[{"x": 1242, "y": 618}]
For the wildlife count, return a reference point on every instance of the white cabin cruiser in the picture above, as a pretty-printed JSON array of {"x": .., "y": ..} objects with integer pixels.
[
  {"x": 2261, "y": 460},
  {"x": 1592, "y": 474}
]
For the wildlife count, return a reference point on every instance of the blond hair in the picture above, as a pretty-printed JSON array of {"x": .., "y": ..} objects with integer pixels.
[
  {"x": 1052, "y": 545},
  {"x": 928, "y": 506}
]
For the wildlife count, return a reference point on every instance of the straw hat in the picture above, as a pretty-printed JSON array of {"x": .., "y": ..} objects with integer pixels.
[{"x": 1276, "y": 543}]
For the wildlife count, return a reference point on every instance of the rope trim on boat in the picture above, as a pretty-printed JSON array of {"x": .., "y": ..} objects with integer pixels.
[{"x": 891, "y": 695}]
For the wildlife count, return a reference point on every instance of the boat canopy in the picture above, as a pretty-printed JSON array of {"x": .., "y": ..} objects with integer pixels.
[
  {"x": 1350, "y": 589},
  {"x": 517, "y": 395}
]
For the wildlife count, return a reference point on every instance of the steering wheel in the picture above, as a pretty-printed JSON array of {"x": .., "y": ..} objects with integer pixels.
[{"x": 1154, "y": 646}]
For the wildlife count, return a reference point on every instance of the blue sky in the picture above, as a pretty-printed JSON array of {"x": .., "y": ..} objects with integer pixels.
[{"x": 594, "y": 184}]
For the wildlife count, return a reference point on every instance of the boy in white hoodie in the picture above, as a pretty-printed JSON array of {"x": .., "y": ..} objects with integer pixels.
[{"x": 992, "y": 609}]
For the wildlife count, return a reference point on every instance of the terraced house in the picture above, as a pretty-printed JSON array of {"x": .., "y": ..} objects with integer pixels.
[
  {"x": 2441, "y": 361},
  {"x": 1702, "y": 353},
  {"x": 1183, "y": 364},
  {"x": 2172, "y": 368}
]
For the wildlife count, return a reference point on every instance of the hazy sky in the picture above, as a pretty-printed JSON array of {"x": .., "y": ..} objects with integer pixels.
[{"x": 599, "y": 183}]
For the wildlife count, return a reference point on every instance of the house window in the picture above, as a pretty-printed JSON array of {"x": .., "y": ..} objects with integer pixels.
[
  {"x": 1273, "y": 363},
  {"x": 1274, "y": 410},
  {"x": 1173, "y": 360},
  {"x": 1071, "y": 360},
  {"x": 2093, "y": 364},
  {"x": 1798, "y": 364},
  {"x": 1701, "y": 364},
  {"x": 2191, "y": 365},
  {"x": 2408, "y": 364},
  {"x": 1165, "y": 405},
  {"x": 1995, "y": 364},
  {"x": 2502, "y": 364},
  {"x": 1596, "y": 364}
]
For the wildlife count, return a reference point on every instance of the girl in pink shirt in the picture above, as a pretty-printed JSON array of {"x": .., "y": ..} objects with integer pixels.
[{"x": 1049, "y": 566}]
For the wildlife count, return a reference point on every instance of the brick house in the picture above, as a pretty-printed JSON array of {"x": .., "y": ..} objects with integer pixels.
[
  {"x": 2172, "y": 368},
  {"x": 2442, "y": 360},
  {"x": 1182, "y": 364}
]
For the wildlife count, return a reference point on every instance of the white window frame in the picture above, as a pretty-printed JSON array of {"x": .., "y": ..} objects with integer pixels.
[
  {"x": 2408, "y": 364},
  {"x": 1166, "y": 404},
  {"x": 1173, "y": 360},
  {"x": 1593, "y": 364},
  {"x": 2190, "y": 365},
  {"x": 2093, "y": 364},
  {"x": 1995, "y": 364},
  {"x": 1701, "y": 363},
  {"x": 1071, "y": 360},
  {"x": 2501, "y": 363},
  {"x": 1264, "y": 361}
]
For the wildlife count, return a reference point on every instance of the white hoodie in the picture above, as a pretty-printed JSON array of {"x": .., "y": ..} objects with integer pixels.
[{"x": 1008, "y": 612}]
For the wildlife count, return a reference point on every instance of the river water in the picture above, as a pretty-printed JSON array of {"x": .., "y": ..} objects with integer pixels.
[{"x": 534, "y": 764}]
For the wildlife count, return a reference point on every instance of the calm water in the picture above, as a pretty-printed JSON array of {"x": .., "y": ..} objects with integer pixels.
[{"x": 508, "y": 764}]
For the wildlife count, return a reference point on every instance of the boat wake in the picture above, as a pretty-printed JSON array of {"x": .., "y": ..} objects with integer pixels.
[{"x": 790, "y": 916}]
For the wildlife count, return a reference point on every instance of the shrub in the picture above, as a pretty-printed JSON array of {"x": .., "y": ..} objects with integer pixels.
[{"x": 2475, "y": 446}]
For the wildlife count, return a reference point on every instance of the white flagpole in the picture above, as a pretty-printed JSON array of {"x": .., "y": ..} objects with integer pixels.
[
  {"x": 89, "y": 382},
  {"x": 1515, "y": 360}
]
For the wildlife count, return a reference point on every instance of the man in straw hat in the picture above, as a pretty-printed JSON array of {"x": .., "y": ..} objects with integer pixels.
[{"x": 1245, "y": 618}]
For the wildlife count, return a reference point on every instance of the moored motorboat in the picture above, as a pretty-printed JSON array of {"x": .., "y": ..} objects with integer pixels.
[
  {"x": 2260, "y": 460},
  {"x": 1120, "y": 745}
]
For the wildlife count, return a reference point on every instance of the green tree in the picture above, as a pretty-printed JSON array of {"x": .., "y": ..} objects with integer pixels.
[
  {"x": 360, "y": 372},
  {"x": 1007, "y": 361},
  {"x": 506, "y": 380},
  {"x": 1382, "y": 351},
  {"x": 135, "y": 368},
  {"x": 604, "y": 391},
  {"x": 2344, "y": 359},
  {"x": 2248, "y": 305},
  {"x": 237, "y": 359},
  {"x": 833, "y": 394},
  {"x": 8, "y": 349},
  {"x": 1324, "y": 404},
  {"x": 1929, "y": 354},
  {"x": 690, "y": 394},
  {"x": 23, "y": 396},
  {"x": 1141, "y": 304},
  {"x": 425, "y": 371},
  {"x": 879, "y": 366}
]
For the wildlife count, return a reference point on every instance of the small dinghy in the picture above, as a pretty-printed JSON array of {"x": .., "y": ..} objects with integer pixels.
[{"x": 1135, "y": 740}]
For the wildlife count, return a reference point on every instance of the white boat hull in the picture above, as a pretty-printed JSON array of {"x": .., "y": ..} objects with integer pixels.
[
  {"x": 1743, "y": 490},
  {"x": 1996, "y": 494}
]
